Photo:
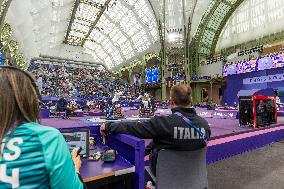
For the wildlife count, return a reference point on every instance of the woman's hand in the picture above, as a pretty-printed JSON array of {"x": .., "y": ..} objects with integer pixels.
[
  {"x": 77, "y": 162},
  {"x": 103, "y": 129}
]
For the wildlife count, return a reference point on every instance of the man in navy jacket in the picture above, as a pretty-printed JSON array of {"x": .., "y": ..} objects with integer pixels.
[{"x": 168, "y": 132}]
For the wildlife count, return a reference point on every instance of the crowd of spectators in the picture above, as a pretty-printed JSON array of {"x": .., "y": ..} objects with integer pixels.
[{"x": 83, "y": 82}]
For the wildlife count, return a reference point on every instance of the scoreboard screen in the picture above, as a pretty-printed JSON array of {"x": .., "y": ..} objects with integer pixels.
[
  {"x": 152, "y": 75},
  {"x": 264, "y": 63}
]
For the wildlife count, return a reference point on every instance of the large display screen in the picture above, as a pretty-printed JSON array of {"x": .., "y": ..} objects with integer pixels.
[
  {"x": 152, "y": 75},
  {"x": 1, "y": 62},
  {"x": 264, "y": 63}
]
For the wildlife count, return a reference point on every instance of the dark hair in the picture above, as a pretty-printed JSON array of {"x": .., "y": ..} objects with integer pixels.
[
  {"x": 19, "y": 100},
  {"x": 181, "y": 95}
]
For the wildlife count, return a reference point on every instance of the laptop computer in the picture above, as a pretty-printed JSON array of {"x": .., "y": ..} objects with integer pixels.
[{"x": 77, "y": 138}]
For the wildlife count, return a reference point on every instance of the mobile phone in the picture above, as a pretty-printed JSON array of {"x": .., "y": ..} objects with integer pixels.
[{"x": 77, "y": 150}]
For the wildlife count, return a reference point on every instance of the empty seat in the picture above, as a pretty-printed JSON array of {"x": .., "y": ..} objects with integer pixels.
[{"x": 181, "y": 169}]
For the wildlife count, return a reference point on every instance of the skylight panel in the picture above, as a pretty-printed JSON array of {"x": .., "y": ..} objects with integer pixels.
[
  {"x": 106, "y": 25},
  {"x": 100, "y": 52},
  {"x": 95, "y": 56},
  {"x": 83, "y": 21},
  {"x": 117, "y": 12},
  {"x": 76, "y": 34},
  {"x": 123, "y": 29},
  {"x": 208, "y": 37},
  {"x": 140, "y": 4},
  {"x": 117, "y": 36},
  {"x": 74, "y": 40},
  {"x": 218, "y": 16},
  {"x": 127, "y": 50},
  {"x": 87, "y": 12},
  {"x": 131, "y": 2},
  {"x": 87, "y": 48},
  {"x": 141, "y": 41},
  {"x": 107, "y": 45},
  {"x": 127, "y": 23},
  {"x": 79, "y": 28},
  {"x": 115, "y": 56},
  {"x": 144, "y": 13},
  {"x": 232, "y": 1},
  {"x": 205, "y": 50},
  {"x": 109, "y": 62},
  {"x": 97, "y": 36},
  {"x": 104, "y": 41},
  {"x": 154, "y": 34}
]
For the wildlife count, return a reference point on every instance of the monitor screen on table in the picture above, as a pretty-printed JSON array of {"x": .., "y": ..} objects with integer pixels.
[{"x": 77, "y": 138}]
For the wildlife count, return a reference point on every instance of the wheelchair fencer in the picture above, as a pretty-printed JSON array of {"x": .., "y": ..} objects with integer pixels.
[{"x": 146, "y": 109}]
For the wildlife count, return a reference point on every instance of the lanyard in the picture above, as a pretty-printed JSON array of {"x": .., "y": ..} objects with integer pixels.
[{"x": 190, "y": 124}]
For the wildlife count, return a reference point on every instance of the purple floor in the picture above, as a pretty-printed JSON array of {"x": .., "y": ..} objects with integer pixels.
[
  {"x": 219, "y": 127},
  {"x": 65, "y": 123}
]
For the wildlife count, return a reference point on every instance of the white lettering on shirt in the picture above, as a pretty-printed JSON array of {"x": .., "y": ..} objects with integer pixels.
[
  {"x": 180, "y": 129},
  {"x": 13, "y": 179},
  {"x": 175, "y": 132},
  {"x": 187, "y": 133},
  {"x": 15, "y": 153},
  {"x": 11, "y": 146},
  {"x": 2, "y": 148}
]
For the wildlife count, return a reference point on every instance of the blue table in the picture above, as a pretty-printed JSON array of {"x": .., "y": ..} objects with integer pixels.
[
  {"x": 131, "y": 152},
  {"x": 44, "y": 113},
  {"x": 97, "y": 173}
]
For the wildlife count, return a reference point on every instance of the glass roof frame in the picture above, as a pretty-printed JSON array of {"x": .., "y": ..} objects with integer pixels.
[
  {"x": 134, "y": 21},
  {"x": 3, "y": 10},
  {"x": 212, "y": 23}
]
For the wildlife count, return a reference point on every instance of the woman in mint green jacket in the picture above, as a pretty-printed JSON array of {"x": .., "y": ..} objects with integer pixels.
[{"x": 31, "y": 155}]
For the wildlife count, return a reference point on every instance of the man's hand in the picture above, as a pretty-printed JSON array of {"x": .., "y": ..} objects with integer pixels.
[
  {"x": 103, "y": 129},
  {"x": 77, "y": 162}
]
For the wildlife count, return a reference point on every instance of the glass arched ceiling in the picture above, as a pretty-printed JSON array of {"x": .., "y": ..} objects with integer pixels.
[
  {"x": 112, "y": 31},
  {"x": 39, "y": 26},
  {"x": 257, "y": 17},
  {"x": 212, "y": 23},
  {"x": 177, "y": 15},
  {"x": 129, "y": 29}
]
